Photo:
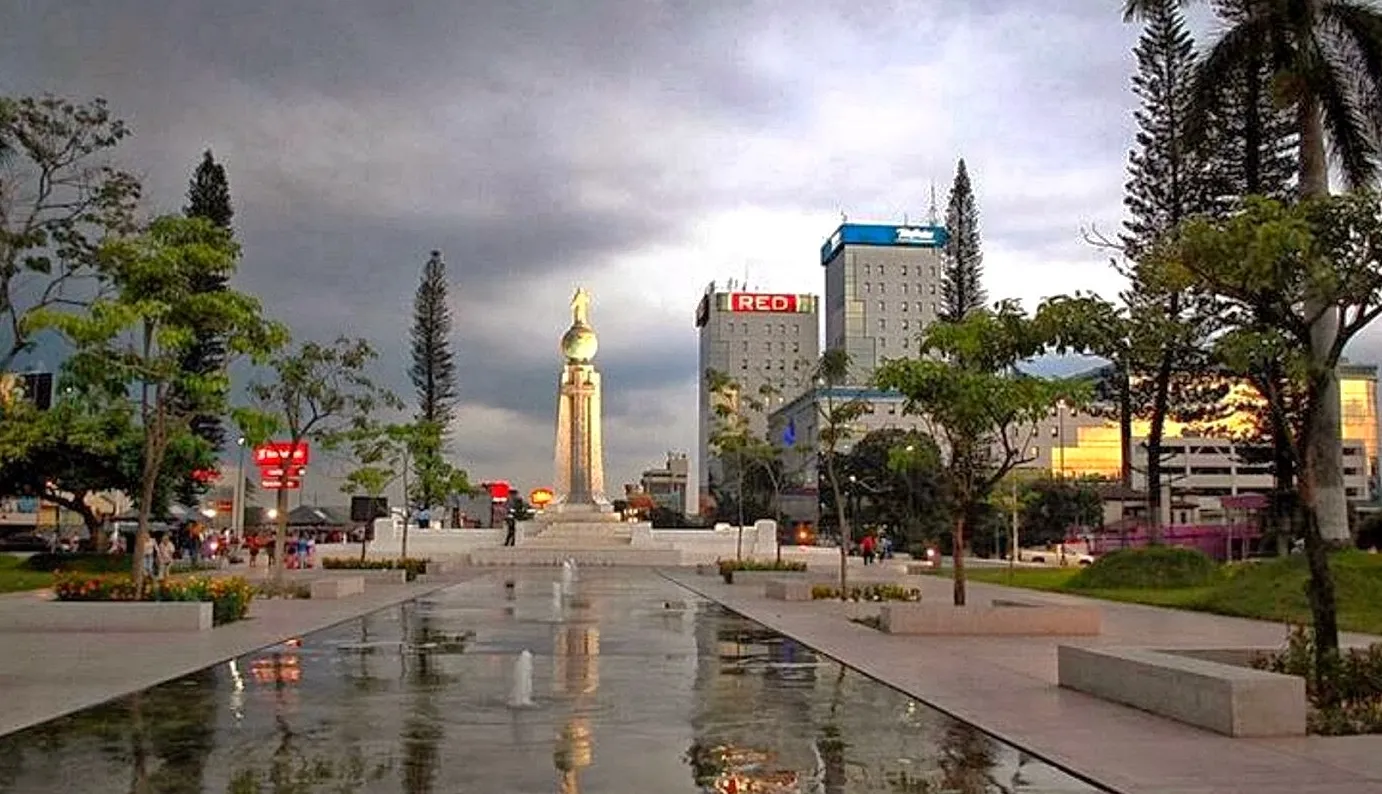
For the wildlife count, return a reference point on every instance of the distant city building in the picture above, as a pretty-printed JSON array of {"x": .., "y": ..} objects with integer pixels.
[
  {"x": 1198, "y": 469},
  {"x": 758, "y": 339},
  {"x": 36, "y": 387},
  {"x": 668, "y": 485},
  {"x": 882, "y": 287}
]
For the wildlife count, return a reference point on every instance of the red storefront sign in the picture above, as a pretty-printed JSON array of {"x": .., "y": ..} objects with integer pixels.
[
  {"x": 762, "y": 302},
  {"x": 277, "y": 453},
  {"x": 280, "y": 484}
]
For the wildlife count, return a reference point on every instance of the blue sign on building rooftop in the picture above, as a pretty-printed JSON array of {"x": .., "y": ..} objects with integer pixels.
[{"x": 923, "y": 236}]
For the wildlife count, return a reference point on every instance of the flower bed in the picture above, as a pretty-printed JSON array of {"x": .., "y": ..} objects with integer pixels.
[
  {"x": 728, "y": 567},
  {"x": 412, "y": 566},
  {"x": 1356, "y": 679},
  {"x": 230, "y": 597},
  {"x": 872, "y": 592}
]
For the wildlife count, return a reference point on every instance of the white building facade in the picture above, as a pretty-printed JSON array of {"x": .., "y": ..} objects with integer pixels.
[{"x": 758, "y": 339}]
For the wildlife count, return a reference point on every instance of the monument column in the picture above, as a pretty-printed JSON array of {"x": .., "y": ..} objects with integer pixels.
[{"x": 579, "y": 478}]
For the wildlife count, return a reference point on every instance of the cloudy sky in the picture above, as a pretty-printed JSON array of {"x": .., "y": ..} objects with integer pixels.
[{"x": 641, "y": 148}]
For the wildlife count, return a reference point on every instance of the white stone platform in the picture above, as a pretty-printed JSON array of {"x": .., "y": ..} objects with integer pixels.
[{"x": 585, "y": 557}]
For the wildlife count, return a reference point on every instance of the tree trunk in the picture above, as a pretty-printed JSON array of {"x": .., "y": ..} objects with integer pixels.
[
  {"x": 403, "y": 549},
  {"x": 1323, "y": 601},
  {"x": 1326, "y": 444},
  {"x": 844, "y": 527},
  {"x": 1161, "y": 401},
  {"x": 146, "y": 500},
  {"x": 1125, "y": 423},
  {"x": 958, "y": 552},
  {"x": 280, "y": 532}
]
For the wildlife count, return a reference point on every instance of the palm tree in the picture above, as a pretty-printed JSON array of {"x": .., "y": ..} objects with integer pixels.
[{"x": 1325, "y": 58}]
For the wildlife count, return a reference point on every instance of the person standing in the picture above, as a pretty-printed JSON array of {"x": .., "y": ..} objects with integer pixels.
[
  {"x": 510, "y": 529},
  {"x": 866, "y": 548},
  {"x": 166, "y": 552}
]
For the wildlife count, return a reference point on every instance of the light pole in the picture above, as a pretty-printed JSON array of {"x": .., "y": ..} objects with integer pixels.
[
  {"x": 237, "y": 501},
  {"x": 1060, "y": 425}
]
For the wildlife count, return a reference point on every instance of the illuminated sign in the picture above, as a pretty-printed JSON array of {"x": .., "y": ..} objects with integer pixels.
[
  {"x": 498, "y": 491},
  {"x": 762, "y": 302},
  {"x": 541, "y": 497},
  {"x": 883, "y": 235},
  {"x": 277, "y": 453}
]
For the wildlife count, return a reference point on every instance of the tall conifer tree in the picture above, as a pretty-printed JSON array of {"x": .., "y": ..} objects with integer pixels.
[
  {"x": 962, "y": 288},
  {"x": 434, "y": 368},
  {"x": 208, "y": 197},
  {"x": 1167, "y": 183}
]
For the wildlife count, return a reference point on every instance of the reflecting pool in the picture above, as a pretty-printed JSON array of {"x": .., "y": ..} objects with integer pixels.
[{"x": 636, "y": 686}]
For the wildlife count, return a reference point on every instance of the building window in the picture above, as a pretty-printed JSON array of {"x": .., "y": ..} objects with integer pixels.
[
  {"x": 882, "y": 343},
  {"x": 796, "y": 347},
  {"x": 904, "y": 343},
  {"x": 744, "y": 364},
  {"x": 880, "y": 270},
  {"x": 768, "y": 346},
  {"x": 746, "y": 345},
  {"x": 882, "y": 324},
  {"x": 1035, "y": 451},
  {"x": 868, "y": 287},
  {"x": 904, "y": 270},
  {"x": 933, "y": 271},
  {"x": 906, "y": 325},
  {"x": 796, "y": 328},
  {"x": 904, "y": 306},
  {"x": 882, "y": 288},
  {"x": 882, "y": 307},
  {"x": 904, "y": 288},
  {"x": 933, "y": 289},
  {"x": 782, "y": 328},
  {"x": 868, "y": 270}
]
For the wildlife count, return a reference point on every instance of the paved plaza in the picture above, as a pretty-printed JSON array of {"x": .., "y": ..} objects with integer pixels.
[{"x": 1007, "y": 686}]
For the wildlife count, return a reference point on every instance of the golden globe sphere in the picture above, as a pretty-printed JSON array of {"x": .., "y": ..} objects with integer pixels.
[{"x": 579, "y": 344}]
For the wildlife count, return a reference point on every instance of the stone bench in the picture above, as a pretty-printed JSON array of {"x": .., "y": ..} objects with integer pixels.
[
  {"x": 1236, "y": 701},
  {"x": 107, "y": 616},
  {"x": 761, "y": 578},
  {"x": 333, "y": 587},
  {"x": 1001, "y": 618},
  {"x": 919, "y": 568},
  {"x": 371, "y": 576}
]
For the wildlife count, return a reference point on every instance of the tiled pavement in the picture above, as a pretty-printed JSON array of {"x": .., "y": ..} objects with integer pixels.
[
  {"x": 47, "y": 674},
  {"x": 1007, "y": 686}
]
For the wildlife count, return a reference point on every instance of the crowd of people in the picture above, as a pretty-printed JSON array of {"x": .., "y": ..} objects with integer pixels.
[{"x": 198, "y": 544}]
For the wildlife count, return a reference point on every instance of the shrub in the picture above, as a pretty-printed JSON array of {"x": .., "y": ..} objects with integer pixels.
[
  {"x": 872, "y": 592},
  {"x": 80, "y": 562},
  {"x": 761, "y": 565},
  {"x": 1355, "y": 679},
  {"x": 230, "y": 597},
  {"x": 411, "y": 565},
  {"x": 1152, "y": 567},
  {"x": 283, "y": 590}
]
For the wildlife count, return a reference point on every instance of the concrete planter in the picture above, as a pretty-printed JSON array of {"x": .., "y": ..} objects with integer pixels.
[
  {"x": 371, "y": 575},
  {"x": 333, "y": 587},
  {"x": 109, "y": 617},
  {"x": 761, "y": 578},
  {"x": 1002, "y": 618}
]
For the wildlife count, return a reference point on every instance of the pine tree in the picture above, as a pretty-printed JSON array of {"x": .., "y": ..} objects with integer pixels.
[
  {"x": 208, "y": 196},
  {"x": 1167, "y": 183},
  {"x": 962, "y": 289},
  {"x": 434, "y": 369}
]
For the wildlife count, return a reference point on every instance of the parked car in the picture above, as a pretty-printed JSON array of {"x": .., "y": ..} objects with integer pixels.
[
  {"x": 1055, "y": 555},
  {"x": 25, "y": 541}
]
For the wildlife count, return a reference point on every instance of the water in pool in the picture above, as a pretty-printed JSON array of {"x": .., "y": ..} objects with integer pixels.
[{"x": 633, "y": 685}]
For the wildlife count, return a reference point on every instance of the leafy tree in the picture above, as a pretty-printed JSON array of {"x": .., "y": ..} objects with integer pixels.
[
  {"x": 1275, "y": 270},
  {"x": 437, "y": 480},
  {"x": 835, "y": 418},
  {"x": 905, "y": 484},
  {"x": 1325, "y": 62},
  {"x": 734, "y": 442},
  {"x": 1159, "y": 362},
  {"x": 68, "y": 453},
  {"x": 59, "y": 201},
  {"x": 1051, "y": 506},
  {"x": 133, "y": 340},
  {"x": 962, "y": 288},
  {"x": 434, "y": 369},
  {"x": 379, "y": 453},
  {"x": 208, "y": 197},
  {"x": 980, "y": 406},
  {"x": 320, "y": 394}
]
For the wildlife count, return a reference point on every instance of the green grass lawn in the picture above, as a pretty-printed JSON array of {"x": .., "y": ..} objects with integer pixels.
[
  {"x": 14, "y": 577},
  {"x": 1267, "y": 590}
]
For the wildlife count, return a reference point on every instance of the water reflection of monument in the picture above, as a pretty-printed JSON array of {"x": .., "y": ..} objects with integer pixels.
[{"x": 576, "y": 672}]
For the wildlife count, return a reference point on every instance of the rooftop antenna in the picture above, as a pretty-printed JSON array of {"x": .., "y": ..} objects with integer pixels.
[
  {"x": 843, "y": 217},
  {"x": 933, "y": 214}
]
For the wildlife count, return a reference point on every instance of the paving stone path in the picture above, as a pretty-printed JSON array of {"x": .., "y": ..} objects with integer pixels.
[{"x": 1007, "y": 686}]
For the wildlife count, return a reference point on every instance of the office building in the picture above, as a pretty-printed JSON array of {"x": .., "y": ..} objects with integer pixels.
[
  {"x": 757, "y": 339},
  {"x": 667, "y": 485},
  {"x": 882, "y": 287}
]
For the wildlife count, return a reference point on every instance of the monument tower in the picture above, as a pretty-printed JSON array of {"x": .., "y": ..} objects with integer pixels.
[{"x": 580, "y": 468}]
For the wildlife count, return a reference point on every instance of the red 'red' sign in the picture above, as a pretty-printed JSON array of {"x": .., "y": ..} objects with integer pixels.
[
  {"x": 277, "y": 453},
  {"x": 761, "y": 302}
]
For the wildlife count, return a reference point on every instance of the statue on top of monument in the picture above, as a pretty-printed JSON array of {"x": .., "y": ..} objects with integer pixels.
[{"x": 579, "y": 343}]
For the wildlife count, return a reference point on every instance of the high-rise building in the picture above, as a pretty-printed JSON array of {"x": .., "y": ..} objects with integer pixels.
[
  {"x": 882, "y": 287},
  {"x": 758, "y": 339}
]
